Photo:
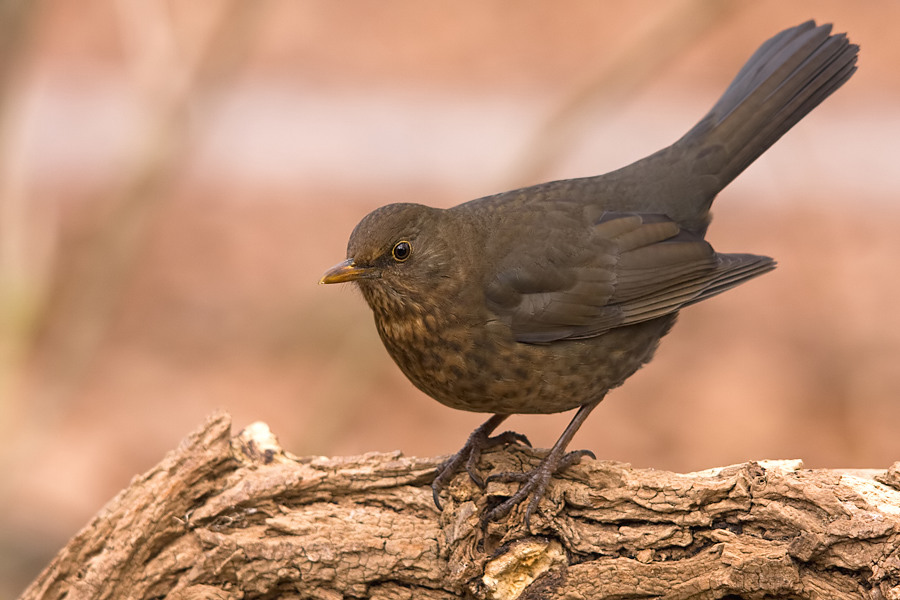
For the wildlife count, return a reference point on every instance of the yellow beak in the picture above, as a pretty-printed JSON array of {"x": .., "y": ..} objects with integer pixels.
[{"x": 348, "y": 271}]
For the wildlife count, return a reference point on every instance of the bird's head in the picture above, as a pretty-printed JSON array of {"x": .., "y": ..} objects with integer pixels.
[{"x": 399, "y": 254}]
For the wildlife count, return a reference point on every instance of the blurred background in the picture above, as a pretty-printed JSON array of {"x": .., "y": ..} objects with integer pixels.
[{"x": 175, "y": 177}]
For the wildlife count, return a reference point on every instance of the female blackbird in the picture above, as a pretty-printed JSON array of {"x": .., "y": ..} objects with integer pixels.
[{"x": 542, "y": 299}]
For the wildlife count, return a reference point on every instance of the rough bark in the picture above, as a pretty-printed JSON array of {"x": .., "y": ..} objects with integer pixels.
[{"x": 228, "y": 518}]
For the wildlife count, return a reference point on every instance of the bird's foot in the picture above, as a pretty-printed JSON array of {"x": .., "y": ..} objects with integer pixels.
[
  {"x": 534, "y": 484},
  {"x": 480, "y": 440}
]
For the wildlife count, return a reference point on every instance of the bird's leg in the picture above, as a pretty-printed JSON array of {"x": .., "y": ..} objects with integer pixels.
[
  {"x": 535, "y": 482},
  {"x": 478, "y": 441}
]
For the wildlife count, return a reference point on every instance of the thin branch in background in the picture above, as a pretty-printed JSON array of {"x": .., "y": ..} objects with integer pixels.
[
  {"x": 661, "y": 43},
  {"x": 19, "y": 277},
  {"x": 91, "y": 278}
]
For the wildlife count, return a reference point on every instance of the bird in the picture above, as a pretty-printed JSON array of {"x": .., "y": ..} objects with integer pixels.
[{"x": 542, "y": 299}]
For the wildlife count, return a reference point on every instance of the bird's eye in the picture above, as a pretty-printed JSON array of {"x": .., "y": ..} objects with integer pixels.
[{"x": 401, "y": 251}]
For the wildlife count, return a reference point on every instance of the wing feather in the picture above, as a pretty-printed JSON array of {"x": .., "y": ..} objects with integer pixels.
[{"x": 624, "y": 269}]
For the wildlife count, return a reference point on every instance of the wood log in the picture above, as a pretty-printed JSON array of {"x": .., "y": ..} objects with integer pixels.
[{"x": 225, "y": 517}]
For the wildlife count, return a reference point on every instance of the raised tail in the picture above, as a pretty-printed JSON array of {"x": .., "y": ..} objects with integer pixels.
[
  {"x": 787, "y": 77},
  {"x": 781, "y": 83}
]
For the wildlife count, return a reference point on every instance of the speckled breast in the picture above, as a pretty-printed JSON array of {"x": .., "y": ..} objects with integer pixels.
[{"x": 483, "y": 369}]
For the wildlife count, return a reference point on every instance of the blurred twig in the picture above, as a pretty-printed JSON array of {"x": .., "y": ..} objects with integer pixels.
[
  {"x": 16, "y": 23},
  {"x": 169, "y": 74},
  {"x": 18, "y": 277},
  {"x": 651, "y": 51}
]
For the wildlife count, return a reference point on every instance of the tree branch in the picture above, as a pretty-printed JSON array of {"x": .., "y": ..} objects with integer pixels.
[{"x": 222, "y": 518}]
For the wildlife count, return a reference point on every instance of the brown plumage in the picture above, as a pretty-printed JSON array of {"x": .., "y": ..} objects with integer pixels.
[{"x": 542, "y": 299}]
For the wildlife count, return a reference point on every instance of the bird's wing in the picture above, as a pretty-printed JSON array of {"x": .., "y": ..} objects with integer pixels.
[{"x": 625, "y": 269}]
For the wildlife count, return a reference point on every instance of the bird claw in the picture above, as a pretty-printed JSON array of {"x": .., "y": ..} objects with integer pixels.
[
  {"x": 509, "y": 477},
  {"x": 503, "y": 439},
  {"x": 469, "y": 455},
  {"x": 573, "y": 458},
  {"x": 534, "y": 484},
  {"x": 510, "y": 437}
]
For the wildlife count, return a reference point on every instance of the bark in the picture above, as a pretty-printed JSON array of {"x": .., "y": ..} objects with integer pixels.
[{"x": 229, "y": 518}]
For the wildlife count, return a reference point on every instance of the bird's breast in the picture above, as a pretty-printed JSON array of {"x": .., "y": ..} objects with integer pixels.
[{"x": 472, "y": 362}]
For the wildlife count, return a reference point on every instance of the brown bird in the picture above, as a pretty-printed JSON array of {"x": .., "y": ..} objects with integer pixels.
[{"x": 542, "y": 299}]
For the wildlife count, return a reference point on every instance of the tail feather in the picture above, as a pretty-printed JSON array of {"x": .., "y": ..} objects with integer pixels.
[
  {"x": 781, "y": 83},
  {"x": 786, "y": 78}
]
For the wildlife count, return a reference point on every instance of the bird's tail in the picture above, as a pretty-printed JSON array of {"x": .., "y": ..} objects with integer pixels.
[{"x": 787, "y": 77}]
